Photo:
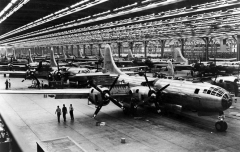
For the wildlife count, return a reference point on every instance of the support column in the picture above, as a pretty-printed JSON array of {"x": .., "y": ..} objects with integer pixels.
[
  {"x": 162, "y": 42},
  {"x": 223, "y": 44},
  {"x": 78, "y": 51},
  {"x": 145, "y": 43},
  {"x": 84, "y": 49},
  {"x": 66, "y": 50},
  {"x": 91, "y": 47},
  {"x": 206, "y": 40},
  {"x": 58, "y": 50},
  {"x": 99, "y": 51},
  {"x": 71, "y": 50},
  {"x": 119, "y": 44},
  {"x": 238, "y": 47}
]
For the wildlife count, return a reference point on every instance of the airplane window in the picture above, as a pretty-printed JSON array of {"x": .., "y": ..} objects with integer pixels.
[
  {"x": 220, "y": 92},
  {"x": 205, "y": 91},
  {"x": 211, "y": 88},
  {"x": 218, "y": 95},
  {"x": 213, "y": 93},
  {"x": 209, "y": 91},
  {"x": 196, "y": 91},
  {"x": 225, "y": 96}
]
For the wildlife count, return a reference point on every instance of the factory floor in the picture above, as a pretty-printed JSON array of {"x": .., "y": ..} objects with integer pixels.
[{"x": 35, "y": 118}]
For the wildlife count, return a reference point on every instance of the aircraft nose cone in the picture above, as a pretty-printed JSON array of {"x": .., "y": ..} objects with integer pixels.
[{"x": 226, "y": 103}]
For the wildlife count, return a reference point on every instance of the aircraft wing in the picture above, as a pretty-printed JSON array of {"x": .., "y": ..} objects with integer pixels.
[
  {"x": 89, "y": 75},
  {"x": 130, "y": 72},
  {"x": 14, "y": 66},
  {"x": 135, "y": 67},
  {"x": 179, "y": 67},
  {"x": 46, "y": 91},
  {"x": 160, "y": 65},
  {"x": 13, "y": 72}
]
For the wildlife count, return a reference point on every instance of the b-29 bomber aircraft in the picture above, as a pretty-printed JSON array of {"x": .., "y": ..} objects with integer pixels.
[{"x": 206, "y": 98}]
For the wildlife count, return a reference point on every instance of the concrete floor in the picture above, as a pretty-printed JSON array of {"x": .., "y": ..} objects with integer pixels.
[{"x": 35, "y": 118}]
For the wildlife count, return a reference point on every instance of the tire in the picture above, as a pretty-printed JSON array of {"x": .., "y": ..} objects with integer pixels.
[{"x": 221, "y": 126}]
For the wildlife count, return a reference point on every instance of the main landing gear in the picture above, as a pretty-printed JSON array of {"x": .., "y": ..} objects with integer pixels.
[{"x": 221, "y": 125}]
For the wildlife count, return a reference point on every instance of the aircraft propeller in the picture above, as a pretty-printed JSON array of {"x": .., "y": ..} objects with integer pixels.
[
  {"x": 152, "y": 94},
  {"x": 105, "y": 96}
]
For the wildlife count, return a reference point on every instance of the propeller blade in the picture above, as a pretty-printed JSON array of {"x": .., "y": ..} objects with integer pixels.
[
  {"x": 97, "y": 110},
  {"x": 164, "y": 87},
  {"x": 114, "y": 82},
  {"x": 147, "y": 81},
  {"x": 116, "y": 102},
  {"x": 57, "y": 65},
  {"x": 95, "y": 87}
]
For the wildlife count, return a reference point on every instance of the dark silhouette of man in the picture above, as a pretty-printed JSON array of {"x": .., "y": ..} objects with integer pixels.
[
  {"x": 71, "y": 111},
  {"x": 58, "y": 111},
  {"x": 64, "y": 111},
  {"x": 6, "y": 83}
]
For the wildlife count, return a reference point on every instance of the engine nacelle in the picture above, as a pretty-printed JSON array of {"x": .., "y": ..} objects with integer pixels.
[
  {"x": 10, "y": 66},
  {"x": 141, "y": 93},
  {"x": 56, "y": 75},
  {"x": 30, "y": 73},
  {"x": 96, "y": 98}
]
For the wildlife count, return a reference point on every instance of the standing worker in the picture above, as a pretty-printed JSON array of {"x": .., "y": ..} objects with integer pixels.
[
  {"x": 71, "y": 112},
  {"x": 9, "y": 84},
  {"x": 58, "y": 111},
  {"x": 64, "y": 111},
  {"x": 6, "y": 83},
  {"x": 42, "y": 84}
]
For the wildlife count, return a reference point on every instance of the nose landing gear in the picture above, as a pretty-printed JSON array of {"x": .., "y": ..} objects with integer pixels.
[{"x": 221, "y": 125}]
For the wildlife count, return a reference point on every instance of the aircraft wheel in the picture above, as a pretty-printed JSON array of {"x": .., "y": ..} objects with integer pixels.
[{"x": 221, "y": 126}]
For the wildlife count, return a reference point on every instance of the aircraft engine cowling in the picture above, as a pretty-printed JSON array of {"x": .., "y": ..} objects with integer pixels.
[
  {"x": 142, "y": 93},
  {"x": 29, "y": 73},
  {"x": 55, "y": 76},
  {"x": 98, "y": 99},
  {"x": 50, "y": 77},
  {"x": 10, "y": 66}
]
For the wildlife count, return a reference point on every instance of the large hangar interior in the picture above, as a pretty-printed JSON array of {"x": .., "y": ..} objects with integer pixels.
[{"x": 142, "y": 75}]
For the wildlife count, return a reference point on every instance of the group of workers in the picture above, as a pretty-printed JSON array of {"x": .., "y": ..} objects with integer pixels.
[{"x": 64, "y": 112}]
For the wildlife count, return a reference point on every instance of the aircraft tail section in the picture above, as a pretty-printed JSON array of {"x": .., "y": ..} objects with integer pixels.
[
  {"x": 130, "y": 55},
  {"x": 64, "y": 55},
  {"x": 109, "y": 64},
  {"x": 80, "y": 53},
  {"x": 170, "y": 68},
  {"x": 30, "y": 57},
  {"x": 177, "y": 55},
  {"x": 101, "y": 54},
  {"x": 53, "y": 62}
]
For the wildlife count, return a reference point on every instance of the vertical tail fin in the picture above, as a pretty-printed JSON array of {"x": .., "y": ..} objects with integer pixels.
[
  {"x": 170, "y": 68},
  {"x": 53, "y": 62},
  {"x": 64, "y": 55},
  {"x": 101, "y": 54},
  {"x": 177, "y": 55},
  {"x": 80, "y": 53},
  {"x": 109, "y": 64},
  {"x": 30, "y": 57},
  {"x": 130, "y": 55}
]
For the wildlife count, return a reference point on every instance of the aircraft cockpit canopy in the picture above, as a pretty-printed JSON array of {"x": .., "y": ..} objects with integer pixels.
[{"x": 216, "y": 91}]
